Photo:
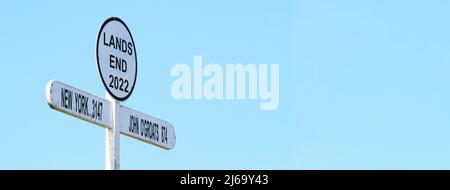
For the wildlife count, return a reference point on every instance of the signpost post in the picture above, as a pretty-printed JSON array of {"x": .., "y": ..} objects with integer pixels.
[
  {"x": 112, "y": 137},
  {"x": 117, "y": 66}
]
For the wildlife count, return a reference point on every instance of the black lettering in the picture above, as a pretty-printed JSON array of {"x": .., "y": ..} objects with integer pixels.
[
  {"x": 81, "y": 104},
  {"x": 130, "y": 48},
  {"x": 124, "y": 65},
  {"x": 156, "y": 131},
  {"x": 116, "y": 82},
  {"x": 124, "y": 45},
  {"x": 111, "y": 41},
  {"x": 99, "y": 111},
  {"x": 134, "y": 125},
  {"x": 66, "y": 98},
  {"x": 111, "y": 83},
  {"x": 118, "y": 44},
  {"x": 121, "y": 84},
  {"x": 111, "y": 60},
  {"x": 163, "y": 134},
  {"x": 117, "y": 63},
  {"x": 126, "y": 86},
  {"x": 104, "y": 39},
  {"x": 96, "y": 110}
]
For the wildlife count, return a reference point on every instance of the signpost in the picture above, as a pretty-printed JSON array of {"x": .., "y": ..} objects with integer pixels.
[
  {"x": 117, "y": 65},
  {"x": 146, "y": 128}
]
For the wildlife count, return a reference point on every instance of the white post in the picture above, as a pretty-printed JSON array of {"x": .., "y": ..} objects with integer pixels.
[{"x": 112, "y": 147}]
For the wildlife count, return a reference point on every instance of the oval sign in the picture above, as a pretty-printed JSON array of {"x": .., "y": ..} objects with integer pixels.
[{"x": 116, "y": 58}]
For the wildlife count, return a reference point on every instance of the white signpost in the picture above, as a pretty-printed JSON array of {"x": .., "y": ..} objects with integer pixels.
[{"x": 117, "y": 65}]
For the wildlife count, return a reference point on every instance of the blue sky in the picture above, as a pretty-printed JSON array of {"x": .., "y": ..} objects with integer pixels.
[{"x": 363, "y": 84}]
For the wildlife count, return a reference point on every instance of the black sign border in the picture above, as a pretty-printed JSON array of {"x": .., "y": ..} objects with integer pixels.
[{"x": 98, "y": 62}]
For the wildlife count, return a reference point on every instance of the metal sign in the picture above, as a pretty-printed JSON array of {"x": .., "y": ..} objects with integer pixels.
[
  {"x": 146, "y": 128},
  {"x": 116, "y": 58},
  {"x": 77, "y": 103}
]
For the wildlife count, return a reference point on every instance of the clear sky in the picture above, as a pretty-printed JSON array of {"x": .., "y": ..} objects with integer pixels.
[{"x": 363, "y": 84}]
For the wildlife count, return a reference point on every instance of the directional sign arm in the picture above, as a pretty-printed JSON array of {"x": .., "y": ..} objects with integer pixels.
[
  {"x": 78, "y": 103},
  {"x": 146, "y": 128}
]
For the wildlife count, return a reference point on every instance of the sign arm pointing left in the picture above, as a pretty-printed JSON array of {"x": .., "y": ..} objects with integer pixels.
[
  {"x": 78, "y": 103},
  {"x": 117, "y": 66}
]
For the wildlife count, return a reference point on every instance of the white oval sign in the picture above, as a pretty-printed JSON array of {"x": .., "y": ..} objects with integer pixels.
[{"x": 116, "y": 58}]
